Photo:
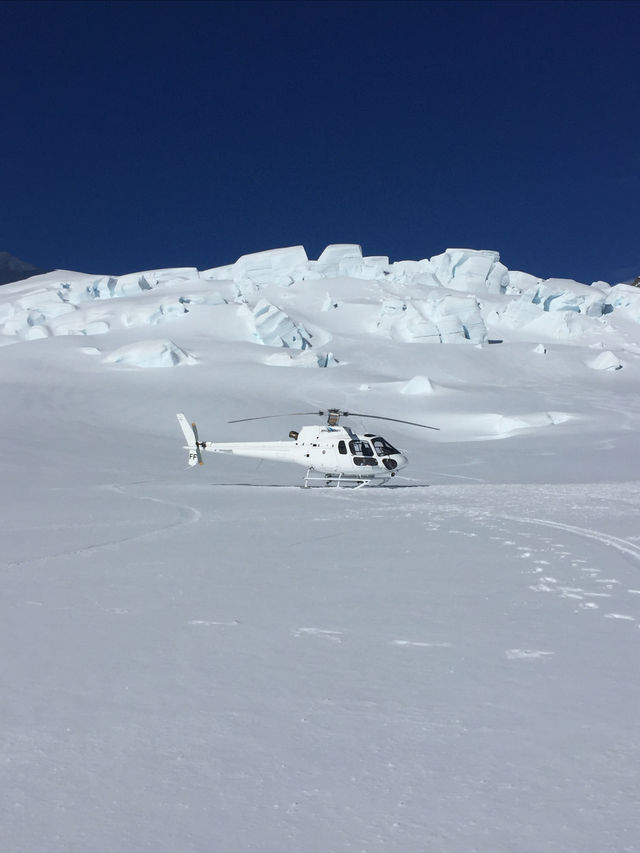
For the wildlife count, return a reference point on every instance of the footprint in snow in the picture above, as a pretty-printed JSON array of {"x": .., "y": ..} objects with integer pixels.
[
  {"x": 525, "y": 654},
  {"x": 569, "y": 592},
  {"x": 542, "y": 587},
  {"x": 323, "y": 633}
]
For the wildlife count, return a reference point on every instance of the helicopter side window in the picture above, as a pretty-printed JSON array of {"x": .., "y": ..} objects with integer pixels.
[
  {"x": 342, "y": 447},
  {"x": 360, "y": 448},
  {"x": 383, "y": 448}
]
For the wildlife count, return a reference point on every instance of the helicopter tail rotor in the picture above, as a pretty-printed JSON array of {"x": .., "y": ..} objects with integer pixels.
[{"x": 193, "y": 445}]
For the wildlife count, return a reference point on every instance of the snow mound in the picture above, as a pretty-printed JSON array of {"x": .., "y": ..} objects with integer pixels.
[
  {"x": 345, "y": 259},
  {"x": 440, "y": 318},
  {"x": 560, "y": 294},
  {"x": 280, "y": 266},
  {"x": 151, "y": 312},
  {"x": 288, "y": 265},
  {"x": 81, "y": 304},
  {"x": 76, "y": 289},
  {"x": 273, "y": 328},
  {"x": 624, "y": 299},
  {"x": 470, "y": 270},
  {"x": 561, "y": 308},
  {"x": 303, "y": 359},
  {"x": 487, "y": 427},
  {"x": 605, "y": 361},
  {"x": 81, "y": 323},
  {"x": 530, "y": 316},
  {"x": 157, "y": 353},
  {"x": 522, "y": 282},
  {"x": 417, "y": 385},
  {"x": 335, "y": 258}
]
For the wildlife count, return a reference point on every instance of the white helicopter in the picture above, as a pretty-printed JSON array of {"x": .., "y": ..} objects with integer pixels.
[{"x": 332, "y": 454}]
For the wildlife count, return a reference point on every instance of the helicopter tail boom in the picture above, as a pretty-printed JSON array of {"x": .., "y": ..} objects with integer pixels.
[{"x": 190, "y": 432}]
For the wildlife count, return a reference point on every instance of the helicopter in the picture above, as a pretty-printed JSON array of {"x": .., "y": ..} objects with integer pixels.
[{"x": 332, "y": 454}]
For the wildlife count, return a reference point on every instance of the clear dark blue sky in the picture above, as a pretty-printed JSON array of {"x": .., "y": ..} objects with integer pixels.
[{"x": 140, "y": 134}]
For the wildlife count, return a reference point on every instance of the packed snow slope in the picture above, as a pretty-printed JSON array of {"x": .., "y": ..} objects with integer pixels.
[{"x": 217, "y": 660}]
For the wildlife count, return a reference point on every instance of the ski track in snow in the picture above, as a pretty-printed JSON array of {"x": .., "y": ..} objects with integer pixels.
[
  {"x": 583, "y": 585},
  {"x": 193, "y": 516},
  {"x": 578, "y": 582},
  {"x": 576, "y": 594},
  {"x": 623, "y": 545}
]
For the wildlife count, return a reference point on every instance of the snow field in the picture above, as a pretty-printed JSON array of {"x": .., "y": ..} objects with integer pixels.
[{"x": 407, "y": 668}]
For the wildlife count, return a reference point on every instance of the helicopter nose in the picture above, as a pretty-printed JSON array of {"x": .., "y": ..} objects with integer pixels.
[{"x": 393, "y": 463}]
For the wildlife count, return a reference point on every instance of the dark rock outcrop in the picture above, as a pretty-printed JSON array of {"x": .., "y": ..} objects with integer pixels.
[{"x": 13, "y": 269}]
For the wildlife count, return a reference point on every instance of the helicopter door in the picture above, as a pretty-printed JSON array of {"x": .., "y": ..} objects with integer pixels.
[
  {"x": 322, "y": 455},
  {"x": 362, "y": 453}
]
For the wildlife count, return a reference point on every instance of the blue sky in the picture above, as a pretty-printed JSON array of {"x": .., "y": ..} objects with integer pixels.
[{"x": 143, "y": 134}]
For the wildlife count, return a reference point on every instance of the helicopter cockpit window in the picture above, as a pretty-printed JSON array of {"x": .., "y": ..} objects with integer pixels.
[
  {"x": 383, "y": 448},
  {"x": 342, "y": 447},
  {"x": 360, "y": 448}
]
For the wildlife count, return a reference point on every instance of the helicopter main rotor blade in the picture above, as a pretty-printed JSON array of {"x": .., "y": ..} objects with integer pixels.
[
  {"x": 265, "y": 417},
  {"x": 381, "y": 418}
]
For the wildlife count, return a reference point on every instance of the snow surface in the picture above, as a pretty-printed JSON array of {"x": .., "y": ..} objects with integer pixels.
[{"x": 216, "y": 660}]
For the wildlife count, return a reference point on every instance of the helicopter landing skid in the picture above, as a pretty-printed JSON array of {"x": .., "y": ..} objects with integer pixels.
[{"x": 339, "y": 481}]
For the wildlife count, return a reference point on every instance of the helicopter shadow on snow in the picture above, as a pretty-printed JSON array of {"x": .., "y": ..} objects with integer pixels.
[{"x": 320, "y": 488}]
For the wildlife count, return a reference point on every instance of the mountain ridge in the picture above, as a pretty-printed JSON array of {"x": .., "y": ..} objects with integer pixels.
[{"x": 14, "y": 269}]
